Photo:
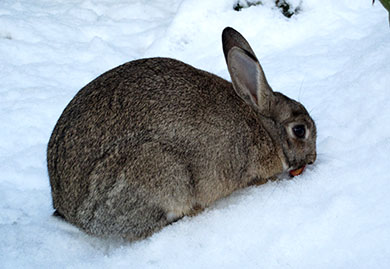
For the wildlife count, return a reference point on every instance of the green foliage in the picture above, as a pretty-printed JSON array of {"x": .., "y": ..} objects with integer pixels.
[{"x": 386, "y": 4}]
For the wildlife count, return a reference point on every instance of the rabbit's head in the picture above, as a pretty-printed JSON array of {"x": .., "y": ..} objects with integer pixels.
[{"x": 287, "y": 119}]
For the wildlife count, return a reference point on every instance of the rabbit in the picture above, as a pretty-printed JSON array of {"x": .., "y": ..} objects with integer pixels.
[{"x": 155, "y": 139}]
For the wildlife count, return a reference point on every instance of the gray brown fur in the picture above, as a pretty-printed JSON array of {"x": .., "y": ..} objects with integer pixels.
[{"x": 153, "y": 140}]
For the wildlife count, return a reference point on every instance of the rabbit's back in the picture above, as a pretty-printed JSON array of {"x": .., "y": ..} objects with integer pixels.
[{"x": 153, "y": 135}]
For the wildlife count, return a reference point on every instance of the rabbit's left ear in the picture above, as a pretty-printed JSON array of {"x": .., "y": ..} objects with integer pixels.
[
  {"x": 246, "y": 73},
  {"x": 231, "y": 38}
]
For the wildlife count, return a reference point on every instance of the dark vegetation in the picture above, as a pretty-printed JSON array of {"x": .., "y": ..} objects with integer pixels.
[{"x": 283, "y": 5}]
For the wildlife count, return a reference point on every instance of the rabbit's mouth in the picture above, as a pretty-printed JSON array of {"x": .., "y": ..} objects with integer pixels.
[{"x": 297, "y": 172}]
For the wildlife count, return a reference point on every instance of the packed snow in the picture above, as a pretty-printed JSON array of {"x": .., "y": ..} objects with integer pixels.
[{"x": 333, "y": 56}]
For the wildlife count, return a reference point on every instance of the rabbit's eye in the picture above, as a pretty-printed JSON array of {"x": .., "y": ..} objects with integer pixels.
[{"x": 299, "y": 131}]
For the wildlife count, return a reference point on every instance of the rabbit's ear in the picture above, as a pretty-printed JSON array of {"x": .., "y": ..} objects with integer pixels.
[
  {"x": 248, "y": 79},
  {"x": 231, "y": 38}
]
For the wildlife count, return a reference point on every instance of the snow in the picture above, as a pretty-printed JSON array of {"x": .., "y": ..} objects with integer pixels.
[{"x": 333, "y": 57}]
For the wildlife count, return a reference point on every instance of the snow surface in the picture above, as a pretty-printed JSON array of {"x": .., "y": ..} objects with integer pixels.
[{"x": 334, "y": 57}]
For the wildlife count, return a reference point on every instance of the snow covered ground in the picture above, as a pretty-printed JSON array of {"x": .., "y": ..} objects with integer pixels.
[{"x": 334, "y": 57}]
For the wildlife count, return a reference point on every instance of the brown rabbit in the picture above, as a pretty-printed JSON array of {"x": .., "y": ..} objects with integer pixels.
[{"x": 153, "y": 140}]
